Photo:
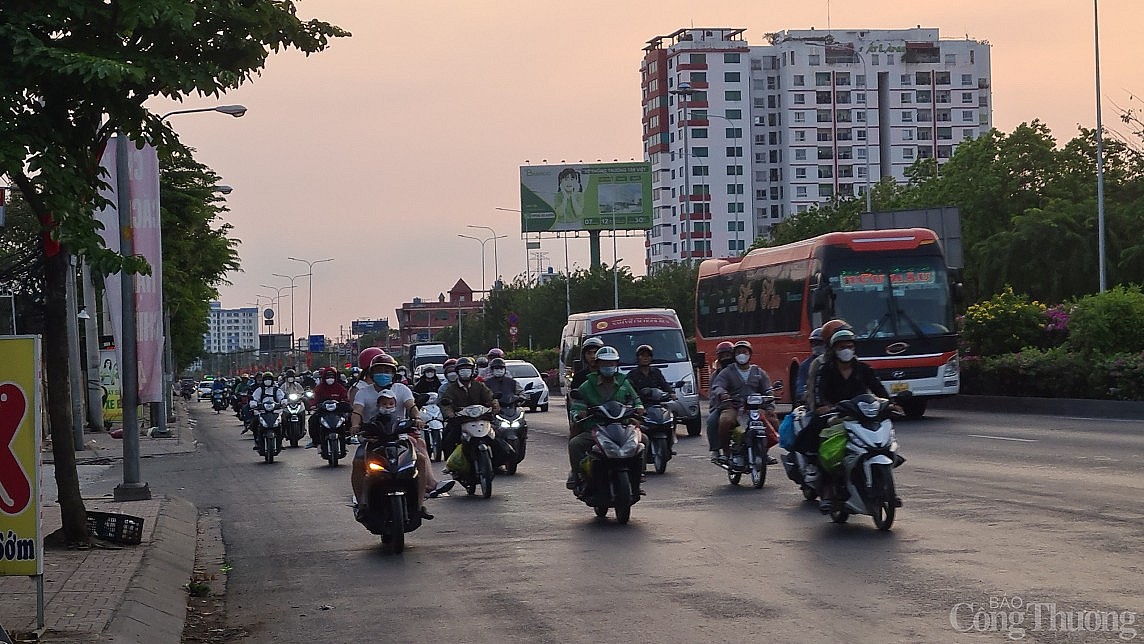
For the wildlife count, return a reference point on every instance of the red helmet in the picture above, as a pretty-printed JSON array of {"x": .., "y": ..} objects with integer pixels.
[
  {"x": 830, "y": 327},
  {"x": 724, "y": 347},
  {"x": 329, "y": 372},
  {"x": 367, "y": 356},
  {"x": 495, "y": 352}
]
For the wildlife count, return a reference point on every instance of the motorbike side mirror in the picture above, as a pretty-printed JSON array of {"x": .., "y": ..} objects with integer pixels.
[
  {"x": 821, "y": 298},
  {"x": 679, "y": 384},
  {"x": 575, "y": 395},
  {"x": 420, "y": 399},
  {"x": 777, "y": 385}
]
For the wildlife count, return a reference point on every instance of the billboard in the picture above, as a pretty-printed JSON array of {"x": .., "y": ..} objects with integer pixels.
[
  {"x": 362, "y": 327},
  {"x": 585, "y": 196},
  {"x": 21, "y": 543}
]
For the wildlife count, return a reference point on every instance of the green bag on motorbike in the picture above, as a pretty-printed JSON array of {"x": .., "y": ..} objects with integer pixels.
[
  {"x": 457, "y": 463},
  {"x": 832, "y": 447}
]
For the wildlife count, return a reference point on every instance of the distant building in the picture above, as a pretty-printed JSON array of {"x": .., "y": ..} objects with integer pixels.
[
  {"x": 231, "y": 330},
  {"x": 420, "y": 320},
  {"x": 741, "y": 136}
]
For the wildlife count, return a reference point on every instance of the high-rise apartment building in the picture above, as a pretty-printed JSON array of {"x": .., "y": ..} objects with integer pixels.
[
  {"x": 741, "y": 136},
  {"x": 231, "y": 330}
]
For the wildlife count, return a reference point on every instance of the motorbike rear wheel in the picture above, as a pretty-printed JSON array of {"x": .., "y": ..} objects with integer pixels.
[
  {"x": 601, "y": 511},
  {"x": 623, "y": 500},
  {"x": 485, "y": 474},
  {"x": 734, "y": 477},
  {"x": 397, "y": 524},
  {"x": 510, "y": 467}
]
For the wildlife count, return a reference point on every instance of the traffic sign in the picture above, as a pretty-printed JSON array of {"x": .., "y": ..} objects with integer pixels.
[
  {"x": 513, "y": 319},
  {"x": 317, "y": 343},
  {"x": 512, "y": 330}
]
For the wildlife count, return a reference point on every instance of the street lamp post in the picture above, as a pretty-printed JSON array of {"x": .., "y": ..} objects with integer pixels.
[
  {"x": 496, "y": 262},
  {"x": 277, "y": 308},
  {"x": 1099, "y": 152},
  {"x": 309, "y": 299},
  {"x": 484, "y": 284},
  {"x": 234, "y": 110},
  {"x": 738, "y": 177},
  {"x": 684, "y": 91},
  {"x": 292, "y": 278}
]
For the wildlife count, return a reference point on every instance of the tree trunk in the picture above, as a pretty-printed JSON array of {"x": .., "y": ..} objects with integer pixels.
[{"x": 56, "y": 367}]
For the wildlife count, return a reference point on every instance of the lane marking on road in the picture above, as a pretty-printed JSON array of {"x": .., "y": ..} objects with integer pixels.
[{"x": 1005, "y": 438}]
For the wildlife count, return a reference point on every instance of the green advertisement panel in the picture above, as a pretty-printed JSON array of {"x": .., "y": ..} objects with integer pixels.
[{"x": 585, "y": 196}]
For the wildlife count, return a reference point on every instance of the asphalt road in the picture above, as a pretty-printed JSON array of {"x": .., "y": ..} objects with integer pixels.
[{"x": 1005, "y": 513}]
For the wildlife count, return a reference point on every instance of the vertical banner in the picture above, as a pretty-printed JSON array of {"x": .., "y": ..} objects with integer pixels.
[
  {"x": 21, "y": 537},
  {"x": 147, "y": 236},
  {"x": 109, "y": 384}
]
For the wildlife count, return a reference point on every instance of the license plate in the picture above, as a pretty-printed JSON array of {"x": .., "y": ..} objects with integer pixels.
[{"x": 898, "y": 387}]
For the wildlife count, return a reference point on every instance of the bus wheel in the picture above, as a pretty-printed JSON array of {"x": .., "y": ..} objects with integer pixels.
[{"x": 915, "y": 407}]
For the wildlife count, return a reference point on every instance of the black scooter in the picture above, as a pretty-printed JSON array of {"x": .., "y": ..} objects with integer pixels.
[
  {"x": 659, "y": 424},
  {"x": 389, "y": 505}
]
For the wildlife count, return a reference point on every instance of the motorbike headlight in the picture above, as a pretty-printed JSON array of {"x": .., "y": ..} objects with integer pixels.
[
  {"x": 326, "y": 423},
  {"x": 375, "y": 466},
  {"x": 262, "y": 419}
]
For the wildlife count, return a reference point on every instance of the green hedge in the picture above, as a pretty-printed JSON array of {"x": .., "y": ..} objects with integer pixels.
[
  {"x": 543, "y": 359},
  {"x": 1055, "y": 373}
]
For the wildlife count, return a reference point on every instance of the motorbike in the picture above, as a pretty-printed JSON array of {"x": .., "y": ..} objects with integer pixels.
[
  {"x": 610, "y": 473},
  {"x": 242, "y": 407},
  {"x": 332, "y": 416},
  {"x": 294, "y": 417},
  {"x": 186, "y": 391},
  {"x": 749, "y": 443},
  {"x": 856, "y": 460},
  {"x": 434, "y": 425},
  {"x": 269, "y": 442},
  {"x": 512, "y": 432},
  {"x": 659, "y": 425},
  {"x": 477, "y": 447},
  {"x": 390, "y": 506},
  {"x": 220, "y": 400}
]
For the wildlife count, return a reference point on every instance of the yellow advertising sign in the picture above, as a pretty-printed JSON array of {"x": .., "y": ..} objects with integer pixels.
[
  {"x": 109, "y": 383},
  {"x": 21, "y": 540}
]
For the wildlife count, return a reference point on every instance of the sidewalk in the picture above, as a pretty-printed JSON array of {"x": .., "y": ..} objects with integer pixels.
[{"x": 113, "y": 593}]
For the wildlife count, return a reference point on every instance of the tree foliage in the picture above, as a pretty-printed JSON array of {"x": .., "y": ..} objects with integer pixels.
[{"x": 77, "y": 71}]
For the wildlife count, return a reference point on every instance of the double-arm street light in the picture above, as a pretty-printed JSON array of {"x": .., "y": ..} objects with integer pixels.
[
  {"x": 496, "y": 262},
  {"x": 278, "y": 301},
  {"x": 291, "y": 278},
  {"x": 233, "y": 110},
  {"x": 484, "y": 284},
  {"x": 309, "y": 299}
]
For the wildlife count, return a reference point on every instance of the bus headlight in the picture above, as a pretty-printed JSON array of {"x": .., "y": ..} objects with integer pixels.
[{"x": 952, "y": 367}]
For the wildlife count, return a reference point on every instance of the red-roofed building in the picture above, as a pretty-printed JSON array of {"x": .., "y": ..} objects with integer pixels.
[{"x": 420, "y": 320}]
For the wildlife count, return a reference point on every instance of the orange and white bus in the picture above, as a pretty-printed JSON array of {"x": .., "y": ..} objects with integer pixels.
[{"x": 892, "y": 286}]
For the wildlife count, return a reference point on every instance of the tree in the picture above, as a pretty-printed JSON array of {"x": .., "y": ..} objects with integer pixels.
[
  {"x": 196, "y": 255},
  {"x": 75, "y": 73}
]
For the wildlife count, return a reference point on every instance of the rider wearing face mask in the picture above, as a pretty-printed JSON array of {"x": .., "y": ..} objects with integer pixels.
[
  {"x": 467, "y": 390},
  {"x": 607, "y": 383},
  {"x": 505, "y": 388},
  {"x": 428, "y": 383},
  {"x": 450, "y": 371},
  {"x": 731, "y": 388},
  {"x": 267, "y": 388},
  {"x": 328, "y": 388},
  {"x": 291, "y": 384}
]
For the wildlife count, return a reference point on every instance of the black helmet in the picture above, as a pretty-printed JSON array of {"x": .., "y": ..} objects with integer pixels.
[
  {"x": 290, "y": 373},
  {"x": 463, "y": 363},
  {"x": 482, "y": 361},
  {"x": 496, "y": 363}
]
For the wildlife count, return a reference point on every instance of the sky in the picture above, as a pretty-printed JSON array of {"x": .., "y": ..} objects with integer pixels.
[{"x": 381, "y": 150}]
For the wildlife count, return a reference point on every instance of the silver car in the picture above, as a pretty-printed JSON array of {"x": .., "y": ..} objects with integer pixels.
[{"x": 531, "y": 382}]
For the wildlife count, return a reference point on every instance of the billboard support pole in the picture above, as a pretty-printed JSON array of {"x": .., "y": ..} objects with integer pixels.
[{"x": 594, "y": 248}]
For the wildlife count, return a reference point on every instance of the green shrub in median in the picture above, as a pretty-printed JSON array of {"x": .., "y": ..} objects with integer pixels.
[
  {"x": 1005, "y": 323},
  {"x": 1108, "y": 323}
]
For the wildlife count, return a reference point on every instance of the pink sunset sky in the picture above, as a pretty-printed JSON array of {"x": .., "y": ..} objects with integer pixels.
[{"x": 379, "y": 151}]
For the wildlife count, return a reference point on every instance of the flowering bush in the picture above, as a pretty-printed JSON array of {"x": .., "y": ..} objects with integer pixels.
[
  {"x": 1120, "y": 376},
  {"x": 1005, "y": 323},
  {"x": 1057, "y": 324}
]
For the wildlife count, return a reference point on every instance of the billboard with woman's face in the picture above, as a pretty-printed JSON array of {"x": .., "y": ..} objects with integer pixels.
[{"x": 585, "y": 196}]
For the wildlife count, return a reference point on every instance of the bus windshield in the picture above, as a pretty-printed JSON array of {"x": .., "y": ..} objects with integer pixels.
[
  {"x": 892, "y": 297},
  {"x": 667, "y": 344}
]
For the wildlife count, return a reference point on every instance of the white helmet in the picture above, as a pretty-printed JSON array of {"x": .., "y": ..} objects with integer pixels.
[{"x": 607, "y": 353}]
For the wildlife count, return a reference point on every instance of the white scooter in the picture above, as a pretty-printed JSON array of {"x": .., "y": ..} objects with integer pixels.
[{"x": 434, "y": 426}]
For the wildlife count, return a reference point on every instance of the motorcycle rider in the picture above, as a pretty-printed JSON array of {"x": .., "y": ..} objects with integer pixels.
[
  {"x": 267, "y": 389},
  {"x": 309, "y": 382},
  {"x": 505, "y": 388},
  {"x": 291, "y": 384},
  {"x": 482, "y": 368},
  {"x": 450, "y": 369},
  {"x": 817, "y": 348},
  {"x": 646, "y": 376},
  {"x": 428, "y": 383},
  {"x": 467, "y": 390},
  {"x": 604, "y": 385},
  {"x": 402, "y": 375},
  {"x": 587, "y": 361},
  {"x": 731, "y": 388},
  {"x": 724, "y": 357},
  {"x": 328, "y": 389},
  {"x": 395, "y": 400},
  {"x": 495, "y": 352}
]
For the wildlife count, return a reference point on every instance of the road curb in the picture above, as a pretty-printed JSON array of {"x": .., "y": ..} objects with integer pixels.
[
  {"x": 154, "y": 608},
  {"x": 1123, "y": 409}
]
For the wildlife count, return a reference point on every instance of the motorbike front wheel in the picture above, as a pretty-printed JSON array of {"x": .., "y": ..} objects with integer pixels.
[
  {"x": 268, "y": 448},
  {"x": 661, "y": 452},
  {"x": 333, "y": 450},
  {"x": 485, "y": 474},
  {"x": 623, "y": 497},
  {"x": 882, "y": 506},
  {"x": 758, "y": 467},
  {"x": 397, "y": 524}
]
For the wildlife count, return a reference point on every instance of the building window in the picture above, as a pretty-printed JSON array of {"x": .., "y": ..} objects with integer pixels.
[
  {"x": 967, "y": 98},
  {"x": 967, "y": 116},
  {"x": 698, "y": 77},
  {"x": 822, "y": 79},
  {"x": 700, "y": 171},
  {"x": 800, "y": 153},
  {"x": 730, "y": 77},
  {"x": 874, "y": 60},
  {"x": 822, "y": 98},
  {"x": 907, "y": 97},
  {"x": 800, "y": 173},
  {"x": 800, "y": 192},
  {"x": 734, "y": 152},
  {"x": 731, "y": 58},
  {"x": 800, "y": 99},
  {"x": 732, "y": 95},
  {"x": 921, "y": 78},
  {"x": 860, "y": 97},
  {"x": 825, "y": 172},
  {"x": 733, "y": 226},
  {"x": 907, "y": 135},
  {"x": 697, "y": 59},
  {"x": 800, "y": 117},
  {"x": 924, "y": 96},
  {"x": 734, "y": 115},
  {"x": 906, "y": 80},
  {"x": 814, "y": 60},
  {"x": 825, "y": 190},
  {"x": 907, "y": 117},
  {"x": 967, "y": 134},
  {"x": 734, "y": 188},
  {"x": 967, "y": 80},
  {"x": 824, "y": 116},
  {"x": 699, "y": 133},
  {"x": 951, "y": 59},
  {"x": 799, "y": 80},
  {"x": 734, "y": 133},
  {"x": 772, "y": 83},
  {"x": 734, "y": 170},
  {"x": 699, "y": 152}
]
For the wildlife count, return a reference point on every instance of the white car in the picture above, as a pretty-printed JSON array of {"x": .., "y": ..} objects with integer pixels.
[
  {"x": 205, "y": 388},
  {"x": 530, "y": 381}
]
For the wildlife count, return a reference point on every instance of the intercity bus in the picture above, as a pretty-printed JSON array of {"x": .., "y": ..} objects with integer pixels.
[{"x": 892, "y": 286}]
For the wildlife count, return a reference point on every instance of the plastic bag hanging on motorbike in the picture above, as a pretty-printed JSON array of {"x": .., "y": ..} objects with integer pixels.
[
  {"x": 832, "y": 448},
  {"x": 457, "y": 463},
  {"x": 772, "y": 436},
  {"x": 786, "y": 432},
  {"x": 737, "y": 434}
]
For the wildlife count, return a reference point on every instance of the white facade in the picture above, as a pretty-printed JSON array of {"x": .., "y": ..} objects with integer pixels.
[
  {"x": 231, "y": 330},
  {"x": 775, "y": 129}
]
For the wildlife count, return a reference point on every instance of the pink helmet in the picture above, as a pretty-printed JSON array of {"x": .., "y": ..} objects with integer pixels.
[{"x": 367, "y": 356}]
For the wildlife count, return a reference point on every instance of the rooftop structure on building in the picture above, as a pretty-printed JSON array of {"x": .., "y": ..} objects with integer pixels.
[
  {"x": 741, "y": 136},
  {"x": 420, "y": 319}
]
